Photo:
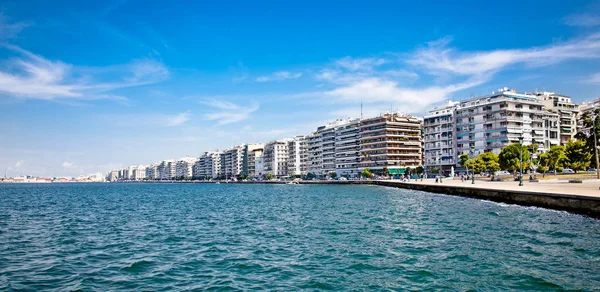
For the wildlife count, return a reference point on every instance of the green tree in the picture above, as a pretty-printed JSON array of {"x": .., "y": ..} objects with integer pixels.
[
  {"x": 419, "y": 170},
  {"x": 553, "y": 159},
  {"x": 366, "y": 173},
  {"x": 310, "y": 175},
  {"x": 463, "y": 159},
  {"x": 269, "y": 176},
  {"x": 333, "y": 175},
  {"x": 408, "y": 170},
  {"x": 578, "y": 157},
  {"x": 490, "y": 161},
  {"x": 386, "y": 171},
  {"x": 590, "y": 122},
  {"x": 510, "y": 156}
]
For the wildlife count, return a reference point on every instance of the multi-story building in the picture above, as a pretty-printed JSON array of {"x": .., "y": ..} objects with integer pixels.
[
  {"x": 138, "y": 173},
  {"x": 321, "y": 148},
  {"x": 567, "y": 113},
  {"x": 167, "y": 169},
  {"x": 391, "y": 141},
  {"x": 253, "y": 156},
  {"x": 297, "y": 156},
  {"x": 184, "y": 167},
  {"x": 438, "y": 138},
  {"x": 152, "y": 171},
  {"x": 347, "y": 148},
  {"x": 489, "y": 123},
  {"x": 246, "y": 163},
  {"x": 232, "y": 162},
  {"x": 208, "y": 166},
  {"x": 113, "y": 176},
  {"x": 276, "y": 157}
]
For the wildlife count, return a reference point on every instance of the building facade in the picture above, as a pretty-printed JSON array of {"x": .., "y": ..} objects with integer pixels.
[
  {"x": 566, "y": 111},
  {"x": 297, "y": 156},
  {"x": 347, "y": 149},
  {"x": 438, "y": 138},
  {"x": 391, "y": 142},
  {"x": 276, "y": 157}
]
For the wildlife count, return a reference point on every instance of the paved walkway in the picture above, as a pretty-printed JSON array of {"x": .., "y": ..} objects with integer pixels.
[{"x": 587, "y": 188}]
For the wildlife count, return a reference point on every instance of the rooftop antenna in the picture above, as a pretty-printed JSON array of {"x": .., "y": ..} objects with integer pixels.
[{"x": 361, "y": 109}]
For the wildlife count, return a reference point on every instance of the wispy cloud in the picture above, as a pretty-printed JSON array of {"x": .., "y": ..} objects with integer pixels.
[
  {"x": 19, "y": 163},
  {"x": 359, "y": 64},
  {"x": 582, "y": 19},
  {"x": 226, "y": 112},
  {"x": 594, "y": 79},
  {"x": 34, "y": 77},
  {"x": 438, "y": 58},
  {"x": 178, "y": 119},
  {"x": 10, "y": 29},
  {"x": 67, "y": 164},
  {"x": 279, "y": 76}
]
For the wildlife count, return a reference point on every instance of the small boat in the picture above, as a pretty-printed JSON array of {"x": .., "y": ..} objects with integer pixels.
[
  {"x": 218, "y": 183},
  {"x": 292, "y": 183}
]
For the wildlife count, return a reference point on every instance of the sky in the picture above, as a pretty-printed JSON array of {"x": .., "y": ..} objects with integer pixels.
[{"x": 89, "y": 86}]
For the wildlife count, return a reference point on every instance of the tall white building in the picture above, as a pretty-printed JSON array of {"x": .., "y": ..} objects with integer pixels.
[
  {"x": 138, "y": 172},
  {"x": 347, "y": 148},
  {"x": 253, "y": 156},
  {"x": 208, "y": 166},
  {"x": 438, "y": 137},
  {"x": 152, "y": 171},
  {"x": 184, "y": 167},
  {"x": 567, "y": 113},
  {"x": 167, "y": 169},
  {"x": 276, "y": 157},
  {"x": 248, "y": 158},
  {"x": 321, "y": 148},
  {"x": 297, "y": 156},
  {"x": 232, "y": 162}
]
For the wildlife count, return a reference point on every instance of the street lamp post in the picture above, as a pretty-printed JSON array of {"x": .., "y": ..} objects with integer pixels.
[
  {"x": 472, "y": 170},
  {"x": 521, "y": 160}
]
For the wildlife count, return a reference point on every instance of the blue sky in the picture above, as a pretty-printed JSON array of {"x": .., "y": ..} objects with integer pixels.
[{"x": 89, "y": 86}]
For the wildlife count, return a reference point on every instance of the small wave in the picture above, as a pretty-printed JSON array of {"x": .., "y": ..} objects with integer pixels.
[{"x": 138, "y": 266}]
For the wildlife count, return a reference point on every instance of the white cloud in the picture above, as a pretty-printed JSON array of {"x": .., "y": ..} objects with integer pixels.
[
  {"x": 178, "y": 119},
  {"x": 19, "y": 163},
  {"x": 359, "y": 64},
  {"x": 594, "y": 79},
  {"x": 583, "y": 19},
  {"x": 279, "y": 76},
  {"x": 10, "y": 30},
  {"x": 67, "y": 164},
  {"x": 31, "y": 76},
  {"x": 227, "y": 112},
  {"x": 437, "y": 58}
]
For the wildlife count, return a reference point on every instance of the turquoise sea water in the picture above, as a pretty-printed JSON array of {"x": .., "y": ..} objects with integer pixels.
[{"x": 288, "y": 237}]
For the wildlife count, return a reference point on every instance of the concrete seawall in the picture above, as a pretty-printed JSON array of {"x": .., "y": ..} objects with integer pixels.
[{"x": 573, "y": 203}]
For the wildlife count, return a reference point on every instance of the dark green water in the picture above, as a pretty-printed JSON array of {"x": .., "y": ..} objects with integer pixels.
[{"x": 287, "y": 237}]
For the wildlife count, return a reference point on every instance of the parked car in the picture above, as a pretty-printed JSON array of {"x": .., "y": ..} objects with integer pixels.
[
  {"x": 342, "y": 178},
  {"x": 591, "y": 170},
  {"x": 567, "y": 170},
  {"x": 501, "y": 172}
]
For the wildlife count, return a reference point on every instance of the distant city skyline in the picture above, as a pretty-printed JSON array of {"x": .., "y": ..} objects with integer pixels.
[{"x": 87, "y": 86}]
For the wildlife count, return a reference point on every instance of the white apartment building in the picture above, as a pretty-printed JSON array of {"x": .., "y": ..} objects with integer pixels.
[
  {"x": 138, "y": 172},
  {"x": 347, "y": 148},
  {"x": 391, "y": 141},
  {"x": 438, "y": 138},
  {"x": 489, "y": 123},
  {"x": 253, "y": 156},
  {"x": 567, "y": 113},
  {"x": 152, "y": 171},
  {"x": 184, "y": 167},
  {"x": 297, "y": 156},
  {"x": 208, "y": 166},
  {"x": 276, "y": 157},
  {"x": 167, "y": 169},
  {"x": 113, "y": 175},
  {"x": 247, "y": 165},
  {"x": 321, "y": 148},
  {"x": 232, "y": 162}
]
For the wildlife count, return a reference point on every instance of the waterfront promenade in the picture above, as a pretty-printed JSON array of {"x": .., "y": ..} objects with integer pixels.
[{"x": 554, "y": 186}]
